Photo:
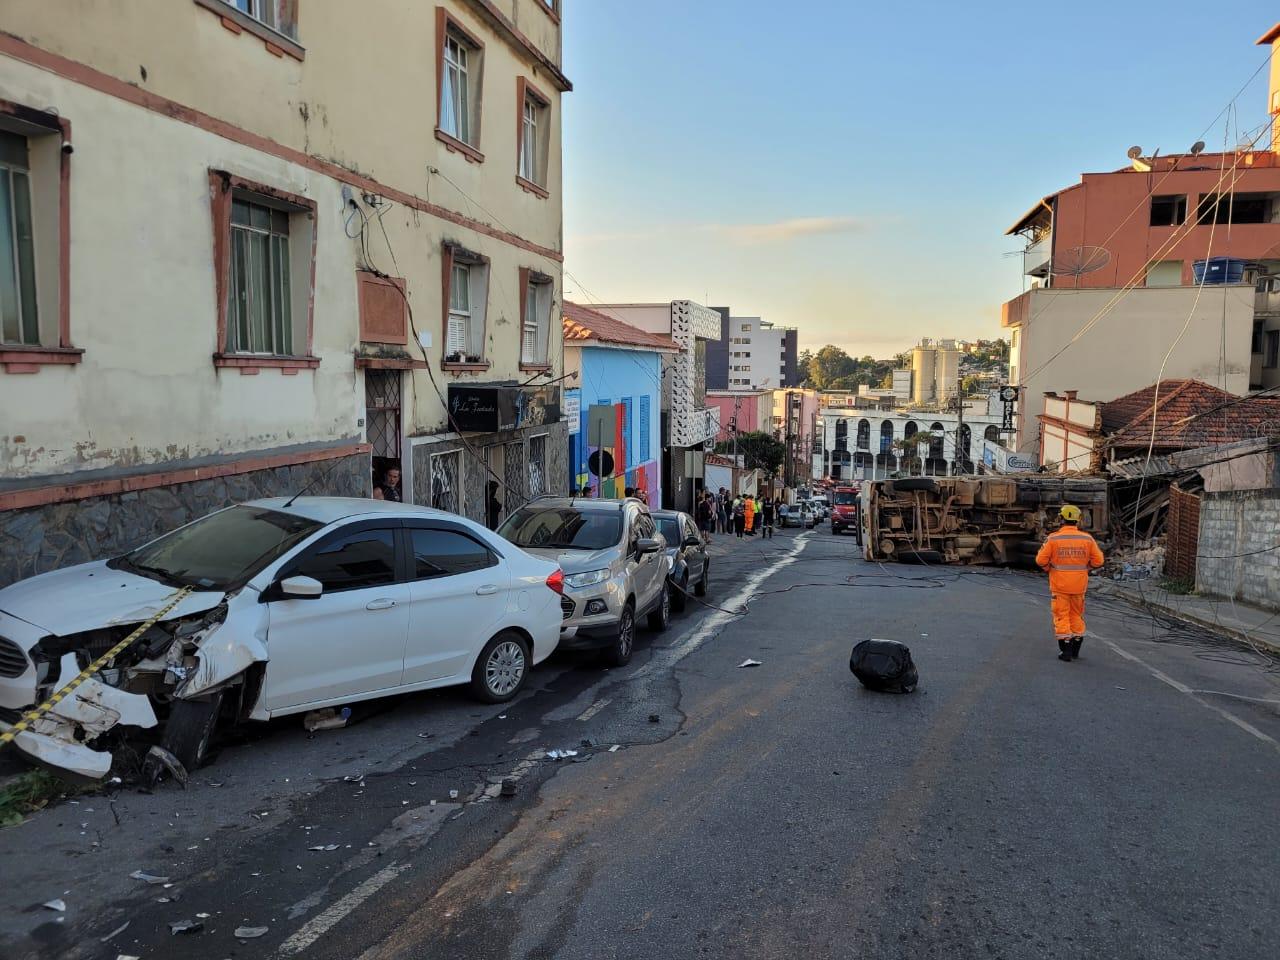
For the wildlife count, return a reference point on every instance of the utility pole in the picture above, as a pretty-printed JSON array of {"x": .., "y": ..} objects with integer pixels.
[{"x": 962, "y": 455}]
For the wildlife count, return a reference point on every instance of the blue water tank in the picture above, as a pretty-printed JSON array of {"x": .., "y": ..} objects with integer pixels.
[{"x": 1219, "y": 270}]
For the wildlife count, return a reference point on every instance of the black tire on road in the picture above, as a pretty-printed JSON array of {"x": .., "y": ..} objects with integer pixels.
[
  {"x": 680, "y": 598},
  {"x": 618, "y": 654},
  {"x": 501, "y": 669},
  {"x": 929, "y": 557},
  {"x": 189, "y": 730},
  {"x": 660, "y": 616},
  {"x": 701, "y": 589}
]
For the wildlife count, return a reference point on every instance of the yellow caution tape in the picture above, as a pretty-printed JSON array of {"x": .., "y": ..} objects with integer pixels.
[{"x": 34, "y": 715}]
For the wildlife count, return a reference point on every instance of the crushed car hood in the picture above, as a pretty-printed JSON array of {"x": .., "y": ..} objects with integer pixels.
[{"x": 92, "y": 595}]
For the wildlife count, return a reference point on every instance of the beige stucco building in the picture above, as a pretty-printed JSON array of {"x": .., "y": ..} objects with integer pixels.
[
  {"x": 253, "y": 243},
  {"x": 1101, "y": 343}
]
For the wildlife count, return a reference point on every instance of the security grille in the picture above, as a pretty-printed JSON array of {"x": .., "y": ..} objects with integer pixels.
[
  {"x": 537, "y": 466},
  {"x": 445, "y": 491},
  {"x": 382, "y": 411},
  {"x": 13, "y": 662}
]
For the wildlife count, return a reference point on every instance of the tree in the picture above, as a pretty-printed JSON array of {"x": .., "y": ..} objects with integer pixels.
[
  {"x": 970, "y": 385},
  {"x": 909, "y": 448},
  {"x": 802, "y": 367},
  {"x": 759, "y": 451},
  {"x": 828, "y": 365}
]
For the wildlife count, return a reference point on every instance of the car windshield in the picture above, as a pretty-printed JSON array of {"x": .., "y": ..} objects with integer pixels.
[
  {"x": 846, "y": 499},
  {"x": 669, "y": 527},
  {"x": 221, "y": 551},
  {"x": 562, "y": 528}
]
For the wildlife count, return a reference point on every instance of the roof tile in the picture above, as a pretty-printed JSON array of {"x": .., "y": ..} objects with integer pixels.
[
  {"x": 1190, "y": 413},
  {"x": 583, "y": 323}
]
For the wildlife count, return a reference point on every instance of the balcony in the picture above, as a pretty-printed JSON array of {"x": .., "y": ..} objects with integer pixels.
[
  {"x": 1015, "y": 311},
  {"x": 1266, "y": 298},
  {"x": 1035, "y": 259}
]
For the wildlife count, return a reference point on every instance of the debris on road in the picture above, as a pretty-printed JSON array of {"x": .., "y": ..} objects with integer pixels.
[
  {"x": 250, "y": 933},
  {"x": 148, "y": 877},
  {"x": 508, "y": 788},
  {"x": 159, "y": 759},
  {"x": 186, "y": 926},
  {"x": 561, "y": 754},
  {"x": 326, "y": 719},
  {"x": 750, "y": 663},
  {"x": 884, "y": 665},
  {"x": 654, "y": 718},
  {"x": 453, "y": 794},
  {"x": 116, "y": 932},
  {"x": 60, "y": 905},
  {"x": 615, "y": 748},
  {"x": 325, "y": 848}
]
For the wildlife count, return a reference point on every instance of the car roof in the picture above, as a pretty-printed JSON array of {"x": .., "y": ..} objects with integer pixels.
[
  {"x": 332, "y": 509},
  {"x": 583, "y": 503},
  {"x": 668, "y": 513}
]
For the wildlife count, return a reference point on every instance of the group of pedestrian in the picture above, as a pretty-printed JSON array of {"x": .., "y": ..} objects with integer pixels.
[{"x": 746, "y": 515}]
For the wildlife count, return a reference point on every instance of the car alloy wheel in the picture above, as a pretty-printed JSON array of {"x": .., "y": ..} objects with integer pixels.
[
  {"x": 626, "y": 637},
  {"x": 504, "y": 670}
]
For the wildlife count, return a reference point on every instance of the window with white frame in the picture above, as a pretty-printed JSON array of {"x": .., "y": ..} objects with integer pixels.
[
  {"x": 279, "y": 15},
  {"x": 535, "y": 319},
  {"x": 533, "y": 148},
  {"x": 19, "y": 320},
  {"x": 467, "y": 280},
  {"x": 460, "y": 74},
  {"x": 260, "y": 304}
]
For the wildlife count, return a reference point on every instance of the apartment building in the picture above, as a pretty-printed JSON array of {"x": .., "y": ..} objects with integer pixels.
[
  {"x": 256, "y": 249},
  {"x": 752, "y": 354}
]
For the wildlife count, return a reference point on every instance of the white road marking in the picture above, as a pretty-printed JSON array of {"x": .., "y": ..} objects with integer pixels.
[
  {"x": 595, "y": 708},
  {"x": 1183, "y": 688},
  {"x": 326, "y": 921}
]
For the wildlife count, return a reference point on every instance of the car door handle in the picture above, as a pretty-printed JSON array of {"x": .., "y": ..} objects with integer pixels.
[
  {"x": 382, "y": 603},
  {"x": 488, "y": 590}
]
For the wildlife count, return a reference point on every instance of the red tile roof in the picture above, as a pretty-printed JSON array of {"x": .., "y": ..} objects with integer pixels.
[
  {"x": 1191, "y": 413},
  {"x": 583, "y": 323}
]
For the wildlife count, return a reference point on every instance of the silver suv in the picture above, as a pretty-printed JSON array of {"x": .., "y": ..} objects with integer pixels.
[{"x": 615, "y": 568}]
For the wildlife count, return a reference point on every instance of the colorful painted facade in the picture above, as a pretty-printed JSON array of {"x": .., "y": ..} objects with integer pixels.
[{"x": 619, "y": 368}]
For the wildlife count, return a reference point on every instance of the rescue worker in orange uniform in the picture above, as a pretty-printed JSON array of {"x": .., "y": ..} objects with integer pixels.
[{"x": 1068, "y": 555}]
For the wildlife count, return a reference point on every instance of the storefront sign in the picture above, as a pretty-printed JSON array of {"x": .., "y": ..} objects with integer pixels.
[
  {"x": 1004, "y": 460},
  {"x": 490, "y": 408},
  {"x": 572, "y": 410}
]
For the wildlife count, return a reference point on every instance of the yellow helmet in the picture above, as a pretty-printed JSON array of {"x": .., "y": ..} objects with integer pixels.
[{"x": 1070, "y": 513}]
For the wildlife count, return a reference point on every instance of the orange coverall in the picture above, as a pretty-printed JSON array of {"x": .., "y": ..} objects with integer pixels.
[
  {"x": 1068, "y": 554},
  {"x": 750, "y": 512}
]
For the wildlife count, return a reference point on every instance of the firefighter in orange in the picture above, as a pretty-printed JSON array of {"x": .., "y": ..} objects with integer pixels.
[{"x": 1068, "y": 554}]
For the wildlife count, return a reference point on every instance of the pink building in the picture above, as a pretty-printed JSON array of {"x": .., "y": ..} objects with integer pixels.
[{"x": 749, "y": 411}]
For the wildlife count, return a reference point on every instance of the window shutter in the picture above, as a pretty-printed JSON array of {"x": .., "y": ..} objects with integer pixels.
[
  {"x": 642, "y": 452},
  {"x": 628, "y": 431}
]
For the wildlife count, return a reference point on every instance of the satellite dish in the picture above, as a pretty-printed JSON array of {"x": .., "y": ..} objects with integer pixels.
[
  {"x": 1245, "y": 144},
  {"x": 1197, "y": 148},
  {"x": 1134, "y": 153},
  {"x": 1077, "y": 261}
]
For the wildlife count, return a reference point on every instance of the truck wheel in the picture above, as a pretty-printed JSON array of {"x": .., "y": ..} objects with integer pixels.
[{"x": 927, "y": 484}]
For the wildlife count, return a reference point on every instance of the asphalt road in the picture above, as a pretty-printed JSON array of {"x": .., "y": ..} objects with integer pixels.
[{"x": 1014, "y": 806}]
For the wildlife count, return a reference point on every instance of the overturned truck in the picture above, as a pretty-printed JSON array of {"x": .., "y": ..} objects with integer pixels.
[{"x": 991, "y": 520}]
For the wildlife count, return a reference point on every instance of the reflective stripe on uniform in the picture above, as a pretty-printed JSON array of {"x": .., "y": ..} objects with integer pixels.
[
  {"x": 1068, "y": 566},
  {"x": 1070, "y": 536}
]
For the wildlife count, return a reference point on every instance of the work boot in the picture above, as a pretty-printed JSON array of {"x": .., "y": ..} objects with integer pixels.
[
  {"x": 1075, "y": 647},
  {"x": 1064, "y": 651}
]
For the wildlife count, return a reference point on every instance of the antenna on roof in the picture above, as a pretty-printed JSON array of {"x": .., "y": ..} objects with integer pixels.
[
  {"x": 314, "y": 481},
  {"x": 1197, "y": 148},
  {"x": 1134, "y": 154},
  {"x": 1077, "y": 261}
]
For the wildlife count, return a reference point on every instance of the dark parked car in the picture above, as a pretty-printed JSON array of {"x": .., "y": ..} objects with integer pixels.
[{"x": 686, "y": 554}]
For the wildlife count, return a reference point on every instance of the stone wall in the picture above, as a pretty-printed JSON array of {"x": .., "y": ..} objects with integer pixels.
[
  {"x": 1182, "y": 532},
  {"x": 469, "y": 497},
  {"x": 39, "y": 539},
  {"x": 1239, "y": 551}
]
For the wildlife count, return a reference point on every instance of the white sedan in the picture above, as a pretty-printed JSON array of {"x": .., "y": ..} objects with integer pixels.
[{"x": 292, "y": 606}]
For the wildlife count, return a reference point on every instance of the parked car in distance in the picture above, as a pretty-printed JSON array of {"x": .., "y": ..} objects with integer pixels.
[
  {"x": 615, "y": 568},
  {"x": 823, "y": 506},
  {"x": 687, "y": 555},
  {"x": 808, "y": 516},
  {"x": 789, "y": 515},
  {"x": 846, "y": 510},
  {"x": 294, "y": 605}
]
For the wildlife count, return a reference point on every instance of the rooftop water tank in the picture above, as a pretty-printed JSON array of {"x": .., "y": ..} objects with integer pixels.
[{"x": 1219, "y": 270}]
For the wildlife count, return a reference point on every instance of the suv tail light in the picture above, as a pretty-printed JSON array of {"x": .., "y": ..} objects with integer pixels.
[{"x": 556, "y": 582}]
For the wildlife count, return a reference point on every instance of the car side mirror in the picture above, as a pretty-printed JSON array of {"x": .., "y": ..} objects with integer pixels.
[
  {"x": 647, "y": 545},
  {"x": 692, "y": 542},
  {"x": 301, "y": 588}
]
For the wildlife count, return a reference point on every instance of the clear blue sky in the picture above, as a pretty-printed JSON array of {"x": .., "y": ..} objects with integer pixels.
[{"x": 849, "y": 167}]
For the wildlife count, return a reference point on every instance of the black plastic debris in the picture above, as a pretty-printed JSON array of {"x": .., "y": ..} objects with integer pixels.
[
  {"x": 508, "y": 788},
  {"x": 654, "y": 718},
  {"x": 884, "y": 665},
  {"x": 186, "y": 926}
]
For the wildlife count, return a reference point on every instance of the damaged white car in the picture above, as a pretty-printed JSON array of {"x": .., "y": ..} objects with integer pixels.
[{"x": 294, "y": 606}]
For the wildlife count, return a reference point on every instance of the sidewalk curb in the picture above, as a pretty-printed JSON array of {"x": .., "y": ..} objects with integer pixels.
[{"x": 1213, "y": 626}]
